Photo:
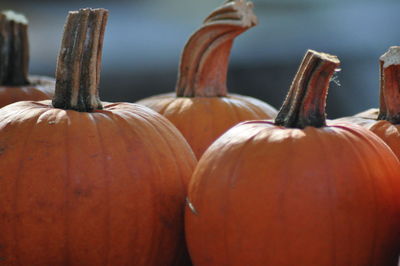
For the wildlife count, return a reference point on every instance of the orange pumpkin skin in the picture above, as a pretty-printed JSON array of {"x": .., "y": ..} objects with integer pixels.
[
  {"x": 296, "y": 191},
  {"x": 42, "y": 88},
  {"x": 101, "y": 188},
  {"x": 388, "y": 132},
  {"x": 201, "y": 120},
  {"x": 268, "y": 195}
]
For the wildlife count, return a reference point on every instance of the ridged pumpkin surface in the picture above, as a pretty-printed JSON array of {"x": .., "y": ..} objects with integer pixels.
[
  {"x": 100, "y": 188},
  {"x": 202, "y": 120},
  {"x": 388, "y": 132},
  {"x": 263, "y": 195},
  {"x": 296, "y": 191},
  {"x": 84, "y": 182}
]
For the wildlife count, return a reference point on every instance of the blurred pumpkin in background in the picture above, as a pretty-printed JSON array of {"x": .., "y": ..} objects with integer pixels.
[
  {"x": 15, "y": 84},
  {"x": 201, "y": 108},
  {"x": 385, "y": 121}
]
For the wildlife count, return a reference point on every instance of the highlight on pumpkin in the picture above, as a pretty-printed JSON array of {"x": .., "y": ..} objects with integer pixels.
[
  {"x": 79, "y": 61},
  {"x": 204, "y": 62}
]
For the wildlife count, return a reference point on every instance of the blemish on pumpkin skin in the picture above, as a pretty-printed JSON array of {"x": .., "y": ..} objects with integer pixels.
[
  {"x": 167, "y": 222},
  {"x": 2, "y": 247},
  {"x": 2, "y": 150},
  {"x": 44, "y": 143},
  {"x": 82, "y": 192},
  {"x": 43, "y": 204}
]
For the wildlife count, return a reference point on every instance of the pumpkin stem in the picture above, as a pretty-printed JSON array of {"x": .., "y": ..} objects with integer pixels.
[
  {"x": 14, "y": 49},
  {"x": 389, "y": 108},
  {"x": 204, "y": 62},
  {"x": 305, "y": 103},
  {"x": 79, "y": 61}
]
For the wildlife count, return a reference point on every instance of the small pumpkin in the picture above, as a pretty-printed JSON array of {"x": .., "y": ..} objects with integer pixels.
[
  {"x": 89, "y": 183},
  {"x": 15, "y": 84},
  {"x": 202, "y": 109},
  {"x": 296, "y": 191},
  {"x": 385, "y": 121}
]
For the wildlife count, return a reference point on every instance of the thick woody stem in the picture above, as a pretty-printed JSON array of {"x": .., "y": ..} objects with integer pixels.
[
  {"x": 305, "y": 104},
  {"x": 79, "y": 61},
  {"x": 14, "y": 49},
  {"x": 204, "y": 62},
  {"x": 389, "y": 108}
]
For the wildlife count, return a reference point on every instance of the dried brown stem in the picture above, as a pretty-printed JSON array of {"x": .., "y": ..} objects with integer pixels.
[
  {"x": 79, "y": 61},
  {"x": 382, "y": 103},
  {"x": 305, "y": 104},
  {"x": 14, "y": 49},
  {"x": 389, "y": 108},
  {"x": 204, "y": 62}
]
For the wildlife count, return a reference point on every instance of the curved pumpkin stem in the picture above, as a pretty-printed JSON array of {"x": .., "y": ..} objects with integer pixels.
[
  {"x": 14, "y": 49},
  {"x": 389, "y": 108},
  {"x": 204, "y": 62},
  {"x": 79, "y": 61},
  {"x": 305, "y": 103}
]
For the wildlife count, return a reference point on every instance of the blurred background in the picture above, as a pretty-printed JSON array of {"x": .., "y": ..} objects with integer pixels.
[{"x": 144, "y": 39}]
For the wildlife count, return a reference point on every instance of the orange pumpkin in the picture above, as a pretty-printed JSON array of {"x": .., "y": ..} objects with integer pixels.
[
  {"x": 297, "y": 191},
  {"x": 202, "y": 109},
  {"x": 385, "y": 121},
  {"x": 102, "y": 186},
  {"x": 15, "y": 85}
]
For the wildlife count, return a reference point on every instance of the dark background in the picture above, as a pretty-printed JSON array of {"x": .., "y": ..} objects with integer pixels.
[{"x": 144, "y": 39}]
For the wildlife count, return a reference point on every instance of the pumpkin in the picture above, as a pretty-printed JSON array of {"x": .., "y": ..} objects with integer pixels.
[
  {"x": 89, "y": 183},
  {"x": 296, "y": 191},
  {"x": 385, "y": 121},
  {"x": 15, "y": 84},
  {"x": 202, "y": 109}
]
